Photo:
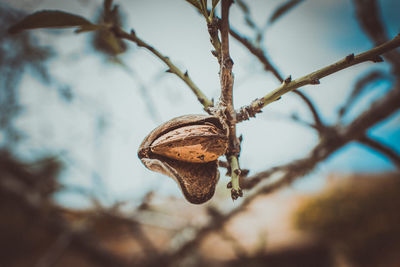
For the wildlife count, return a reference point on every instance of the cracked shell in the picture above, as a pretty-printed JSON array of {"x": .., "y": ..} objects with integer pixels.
[{"x": 186, "y": 149}]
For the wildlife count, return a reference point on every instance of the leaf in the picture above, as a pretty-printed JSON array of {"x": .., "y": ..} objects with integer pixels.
[
  {"x": 195, "y": 3},
  {"x": 283, "y": 9},
  {"x": 91, "y": 27},
  {"x": 49, "y": 19},
  {"x": 214, "y": 3}
]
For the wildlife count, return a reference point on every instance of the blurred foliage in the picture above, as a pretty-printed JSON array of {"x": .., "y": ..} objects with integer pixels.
[
  {"x": 49, "y": 19},
  {"x": 25, "y": 191},
  {"x": 18, "y": 53},
  {"x": 313, "y": 255},
  {"x": 283, "y": 9},
  {"x": 360, "y": 218},
  {"x": 105, "y": 41}
]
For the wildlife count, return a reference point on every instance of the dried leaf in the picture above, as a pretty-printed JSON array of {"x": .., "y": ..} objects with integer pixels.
[
  {"x": 49, "y": 19},
  {"x": 194, "y": 3},
  {"x": 214, "y": 3},
  {"x": 283, "y": 9},
  {"x": 91, "y": 27}
]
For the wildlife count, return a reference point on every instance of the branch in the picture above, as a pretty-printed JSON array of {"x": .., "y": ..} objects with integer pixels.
[
  {"x": 317, "y": 119},
  {"x": 258, "y": 52},
  {"x": 213, "y": 31},
  {"x": 385, "y": 150},
  {"x": 172, "y": 68},
  {"x": 226, "y": 101},
  {"x": 313, "y": 78},
  {"x": 367, "y": 12},
  {"x": 334, "y": 139}
]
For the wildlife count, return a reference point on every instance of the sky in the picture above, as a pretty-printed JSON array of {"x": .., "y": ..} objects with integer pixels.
[{"x": 97, "y": 135}]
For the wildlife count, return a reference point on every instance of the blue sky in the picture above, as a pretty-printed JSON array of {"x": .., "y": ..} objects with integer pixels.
[{"x": 315, "y": 34}]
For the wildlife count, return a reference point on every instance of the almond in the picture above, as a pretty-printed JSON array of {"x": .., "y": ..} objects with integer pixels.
[{"x": 186, "y": 149}]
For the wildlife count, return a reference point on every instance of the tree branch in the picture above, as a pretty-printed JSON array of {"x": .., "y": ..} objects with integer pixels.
[
  {"x": 317, "y": 119},
  {"x": 313, "y": 78},
  {"x": 258, "y": 52},
  {"x": 172, "y": 68},
  {"x": 385, "y": 150},
  {"x": 334, "y": 139},
  {"x": 226, "y": 101},
  {"x": 370, "y": 20}
]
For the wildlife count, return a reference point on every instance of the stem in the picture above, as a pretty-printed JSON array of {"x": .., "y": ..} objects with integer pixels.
[
  {"x": 226, "y": 100},
  {"x": 313, "y": 78},
  {"x": 172, "y": 68},
  {"x": 235, "y": 174}
]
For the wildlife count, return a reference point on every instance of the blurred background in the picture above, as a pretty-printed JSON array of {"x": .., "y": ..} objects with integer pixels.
[{"x": 74, "y": 109}]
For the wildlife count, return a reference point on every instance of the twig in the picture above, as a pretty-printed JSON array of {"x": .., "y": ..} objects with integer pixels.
[
  {"x": 226, "y": 101},
  {"x": 317, "y": 118},
  {"x": 369, "y": 18},
  {"x": 385, "y": 150},
  {"x": 337, "y": 138},
  {"x": 213, "y": 31},
  {"x": 313, "y": 78},
  {"x": 172, "y": 68},
  {"x": 258, "y": 52},
  {"x": 360, "y": 87}
]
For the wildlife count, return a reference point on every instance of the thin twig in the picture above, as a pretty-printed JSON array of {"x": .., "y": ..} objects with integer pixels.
[
  {"x": 370, "y": 19},
  {"x": 337, "y": 138},
  {"x": 258, "y": 52},
  {"x": 172, "y": 68},
  {"x": 385, "y": 150},
  {"x": 317, "y": 118},
  {"x": 213, "y": 31},
  {"x": 313, "y": 78}
]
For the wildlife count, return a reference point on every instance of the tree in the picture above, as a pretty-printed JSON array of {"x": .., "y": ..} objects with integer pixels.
[{"x": 332, "y": 137}]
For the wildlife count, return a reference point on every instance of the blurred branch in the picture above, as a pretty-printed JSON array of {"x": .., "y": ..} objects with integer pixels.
[
  {"x": 383, "y": 149},
  {"x": 258, "y": 52},
  {"x": 331, "y": 141},
  {"x": 317, "y": 119},
  {"x": 369, "y": 17},
  {"x": 172, "y": 68},
  {"x": 82, "y": 240},
  {"x": 56, "y": 251},
  {"x": 360, "y": 87},
  {"x": 283, "y": 9},
  {"x": 313, "y": 78}
]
